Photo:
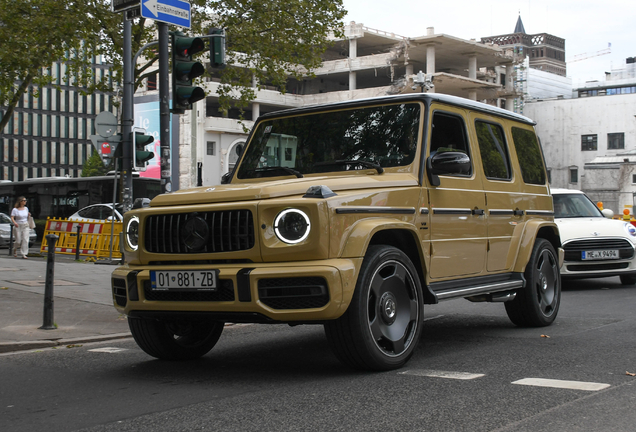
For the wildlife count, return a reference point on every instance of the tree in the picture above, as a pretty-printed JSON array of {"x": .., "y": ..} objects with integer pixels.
[
  {"x": 94, "y": 166},
  {"x": 269, "y": 39}
]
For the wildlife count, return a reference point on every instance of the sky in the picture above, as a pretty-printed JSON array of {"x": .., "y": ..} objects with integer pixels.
[{"x": 588, "y": 26}]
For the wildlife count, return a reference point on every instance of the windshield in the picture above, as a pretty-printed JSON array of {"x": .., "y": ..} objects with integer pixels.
[
  {"x": 4, "y": 218},
  {"x": 574, "y": 205},
  {"x": 353, "y": 139}
]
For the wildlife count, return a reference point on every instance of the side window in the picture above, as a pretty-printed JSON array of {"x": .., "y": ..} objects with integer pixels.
[
  {"x": 529, "y": 154},
  {"x": 493, "y": 150},
  {"x": 449, "y": 134}
]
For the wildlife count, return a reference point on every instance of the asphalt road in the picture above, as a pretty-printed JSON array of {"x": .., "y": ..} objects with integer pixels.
[{"x": 464, "y": 377}]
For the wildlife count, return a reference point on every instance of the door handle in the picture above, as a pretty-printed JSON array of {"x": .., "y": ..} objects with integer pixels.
[
  {"x": 478, "y": 212},
  {"x": 518, "y": 212}
]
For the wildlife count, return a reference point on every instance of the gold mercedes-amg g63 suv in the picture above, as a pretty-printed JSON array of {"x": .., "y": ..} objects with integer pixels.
[{"x": 354, "y": 216}]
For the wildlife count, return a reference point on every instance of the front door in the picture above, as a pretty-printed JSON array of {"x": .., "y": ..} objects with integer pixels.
[{"x": 457, "y": 206}]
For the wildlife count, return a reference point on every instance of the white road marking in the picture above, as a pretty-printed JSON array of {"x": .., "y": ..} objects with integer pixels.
[
  {"x": 442, "y": 374},
  {"x": 572, "y": 385},
  {"x": 108, "y": 350}
]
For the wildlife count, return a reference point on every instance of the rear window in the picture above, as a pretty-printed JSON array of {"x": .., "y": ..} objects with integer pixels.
[{"x": 529, "y": 154}]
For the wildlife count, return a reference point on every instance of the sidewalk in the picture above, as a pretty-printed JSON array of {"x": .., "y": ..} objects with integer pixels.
[{"x": 83, "y": 310}]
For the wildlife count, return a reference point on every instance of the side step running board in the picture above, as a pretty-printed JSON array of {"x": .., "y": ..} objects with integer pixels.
[{"x": 479, "y": 289}]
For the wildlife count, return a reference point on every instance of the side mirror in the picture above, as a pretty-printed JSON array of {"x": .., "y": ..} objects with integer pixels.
[
  {"x": 448, "y": 163},
  {"x": 141, "y": 202},
  {"x": 607, "y": 213}
]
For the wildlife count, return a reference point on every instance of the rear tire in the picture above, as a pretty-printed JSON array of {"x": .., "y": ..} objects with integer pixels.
[
  {"x": 628, "y": 279},
  {"x": 537, "y": 304},
  {"x": 175, "y": 340},
  {"x": 382, "y": 326}
]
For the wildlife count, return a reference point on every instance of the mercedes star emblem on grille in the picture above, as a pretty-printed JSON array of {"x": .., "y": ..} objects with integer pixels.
[{"x": 196, "y": 233}]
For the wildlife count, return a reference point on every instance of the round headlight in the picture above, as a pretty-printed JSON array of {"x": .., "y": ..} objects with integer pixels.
[
  {"x": 292, "y": 226},
  {"x": 631, "y": 229},
  {"x": 132, "y": 233}
]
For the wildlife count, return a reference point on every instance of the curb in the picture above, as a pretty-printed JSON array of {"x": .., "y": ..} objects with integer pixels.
[{"x": 8, "y": 347}]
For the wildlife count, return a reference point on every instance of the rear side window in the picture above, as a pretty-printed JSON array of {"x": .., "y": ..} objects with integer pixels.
[
  {"x": 493, "y": 150},
  {"x": 529, "y": 155},
  {"x": 449, "y": 134}
]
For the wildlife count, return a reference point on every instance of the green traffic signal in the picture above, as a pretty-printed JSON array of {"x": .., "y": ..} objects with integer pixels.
[
  {"x": 217, "y": 48},
  {"x": 141, "y": 155}
]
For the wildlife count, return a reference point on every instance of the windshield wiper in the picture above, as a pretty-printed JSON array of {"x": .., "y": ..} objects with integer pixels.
[
  {"x": 365, "y": 164},
  {"x": 280, "y": 168}
]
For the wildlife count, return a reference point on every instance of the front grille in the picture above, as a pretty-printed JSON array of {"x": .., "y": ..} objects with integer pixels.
[
  {"x": 119, "y": 292},
  {"x": 573, "y": 249},
  {"x": 597, "y": 267},
  {"x": 225, "y": 292},
  {"x": 293, "y": 293},
  {"x": 229, "y": 231}
]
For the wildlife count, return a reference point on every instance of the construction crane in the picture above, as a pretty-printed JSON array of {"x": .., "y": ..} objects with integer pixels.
[{"x": 585, "y": 56}]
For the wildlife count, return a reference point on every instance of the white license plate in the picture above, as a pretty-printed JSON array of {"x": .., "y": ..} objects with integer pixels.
[
  {"x": 184, "y": 279},
  {"x": 600, "y": 254}
]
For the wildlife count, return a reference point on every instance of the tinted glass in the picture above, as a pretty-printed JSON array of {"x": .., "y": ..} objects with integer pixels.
[
  {"x": 4, "y": 219},
  {"x": 448, "y": 134},
  {"x": 529, "y": 154},
  {"x": 493, "y": 150},
  {"x": 574, "y": 205},
  {"x": 333, "y": 141}
]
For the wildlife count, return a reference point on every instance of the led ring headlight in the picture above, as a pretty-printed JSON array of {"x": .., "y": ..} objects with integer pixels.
[
  {"x": 292, "y": 226},
  {"x": 132, "y": 233}
]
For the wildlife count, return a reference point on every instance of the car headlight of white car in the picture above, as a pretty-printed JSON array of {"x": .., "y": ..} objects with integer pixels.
[{"x": 631, "y": 229}]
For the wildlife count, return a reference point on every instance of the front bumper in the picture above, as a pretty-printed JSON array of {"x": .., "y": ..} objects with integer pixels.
[{"x": 255, "y": 292}]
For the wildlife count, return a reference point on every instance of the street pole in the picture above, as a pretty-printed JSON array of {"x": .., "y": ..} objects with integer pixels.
[
  {"x": 164, "y": 108},
  {"x": 127, "y": 119}
]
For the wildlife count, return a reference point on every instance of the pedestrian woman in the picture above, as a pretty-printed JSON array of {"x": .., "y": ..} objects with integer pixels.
[{"x": 20, "y": 218}]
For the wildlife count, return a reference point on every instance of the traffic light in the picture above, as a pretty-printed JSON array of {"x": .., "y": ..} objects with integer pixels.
[
  {"x": 217, "y": 48},
  {"x": 184, "y": 70},
  {"x": 141, "y": 155}
]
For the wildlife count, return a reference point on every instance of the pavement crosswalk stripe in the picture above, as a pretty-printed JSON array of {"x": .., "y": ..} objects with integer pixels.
[
  {"x": 572, "y": 385},
  {"x": 442, "y": 374}
]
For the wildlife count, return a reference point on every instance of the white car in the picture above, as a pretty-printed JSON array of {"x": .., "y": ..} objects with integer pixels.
[
  {"x": 595, "y": 245},
  {"x": 98, "y": 213},
  {"x": 5, "y": 231}
]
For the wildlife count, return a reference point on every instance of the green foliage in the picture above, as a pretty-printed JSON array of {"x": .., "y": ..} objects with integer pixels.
[
  {"x": 269, "y": 39},
  {"x": 94, "y": 166}
]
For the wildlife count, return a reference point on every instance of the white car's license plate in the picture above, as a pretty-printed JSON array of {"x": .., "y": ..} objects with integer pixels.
[
  {"x": 184, "y": 279},
  {"x": 600, "y": 254}
]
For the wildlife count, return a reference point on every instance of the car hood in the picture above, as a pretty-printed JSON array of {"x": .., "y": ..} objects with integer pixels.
[
  {"x": 281, "y": 188},
  {"x": 591, "y": 227}
]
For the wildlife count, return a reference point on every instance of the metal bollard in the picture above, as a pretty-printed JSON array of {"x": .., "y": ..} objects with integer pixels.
[
  {"x": 11, "y": 240},
  {"x": 48, "y": 285},
  {"x": 77, "y": 246}
]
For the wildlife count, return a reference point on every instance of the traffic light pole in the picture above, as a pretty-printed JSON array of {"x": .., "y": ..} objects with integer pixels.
[
  {"x": 164, "y": 108},
  {"x": 127, "y": 119}
]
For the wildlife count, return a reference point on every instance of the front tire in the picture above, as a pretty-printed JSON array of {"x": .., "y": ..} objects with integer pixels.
[
  {"x": 175, "y": 340},
  {"x": 382, "y": 326},
  {"x": 537, "y": 304}
]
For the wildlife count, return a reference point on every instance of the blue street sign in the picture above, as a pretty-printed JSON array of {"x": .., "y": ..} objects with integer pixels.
[{"x": 175, "y": 12}]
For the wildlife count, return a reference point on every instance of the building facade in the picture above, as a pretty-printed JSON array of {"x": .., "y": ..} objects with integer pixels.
[
  {"x": 48, "y": 134},
  {"x": 590, "y": 140}
]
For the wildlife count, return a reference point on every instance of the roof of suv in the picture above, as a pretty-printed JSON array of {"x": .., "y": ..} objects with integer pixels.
[{"x": 426, "y": 97}]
